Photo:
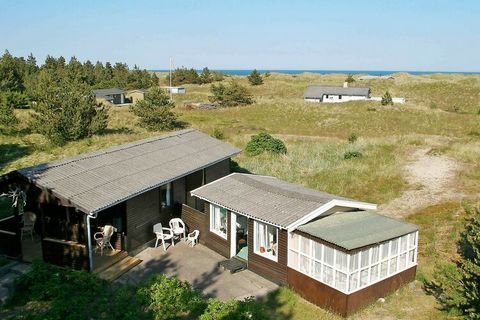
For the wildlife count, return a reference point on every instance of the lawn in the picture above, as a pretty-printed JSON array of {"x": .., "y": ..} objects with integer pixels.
[{"x": 442, "y": 113}]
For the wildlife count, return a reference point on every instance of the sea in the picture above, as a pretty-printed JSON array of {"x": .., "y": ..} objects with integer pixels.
[{"x": 244, "y": 72}]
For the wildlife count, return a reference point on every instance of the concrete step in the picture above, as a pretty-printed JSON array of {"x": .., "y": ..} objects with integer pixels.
[{"x": 119, "y": 268}]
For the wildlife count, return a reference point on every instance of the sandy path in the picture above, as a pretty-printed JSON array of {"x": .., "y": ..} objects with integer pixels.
[{"x": 430, "y": 179}]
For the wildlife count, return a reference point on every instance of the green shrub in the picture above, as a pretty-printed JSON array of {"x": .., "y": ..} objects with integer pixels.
[
  {"x": 218, "y": 134},
  {"x": 350, "y": 78},
  {"x": 352, "y": 138},
  {"x": 387, "y": 99},
  {"x": 255, "y": 78},
  {"x": 169, "y": 298},
  {"x": 264, "y": 142},
  {"x": 352, "y": 154},
  {"x": 233, "y": 309},
  {"x": 230, "y": 95}
]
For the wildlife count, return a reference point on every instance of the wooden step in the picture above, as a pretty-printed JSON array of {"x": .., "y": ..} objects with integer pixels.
[
  {"x": 119, "y": 268},
  {"x": 110, "y": 261}
]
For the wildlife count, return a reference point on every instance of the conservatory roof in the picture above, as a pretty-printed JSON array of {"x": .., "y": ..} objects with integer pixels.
[{"x": 357, "y": 229}]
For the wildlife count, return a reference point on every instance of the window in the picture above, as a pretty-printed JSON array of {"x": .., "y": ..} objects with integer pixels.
[
  {"x": 340, "y": 97},
  {"x": 265, "y": 241},
  {"x": 218, "y": 220},
  {"x": 166, "y": 195}
]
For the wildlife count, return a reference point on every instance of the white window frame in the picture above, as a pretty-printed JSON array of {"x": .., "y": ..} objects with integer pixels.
[
  {"x": 265, "y": 254},
  {"x": 212, "y": 221}
]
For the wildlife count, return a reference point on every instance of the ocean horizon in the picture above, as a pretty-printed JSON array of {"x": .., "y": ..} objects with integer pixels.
[{"x": 244, "y": 72}]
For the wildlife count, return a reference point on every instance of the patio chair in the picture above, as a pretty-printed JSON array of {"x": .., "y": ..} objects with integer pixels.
[
  {"x": 193, "y": 237},
  {"x": 178, "y": 227},
  {"x": 163, "y": 234},
  {"x": 103, "y": 238},
  {"x": 28, "y": 219}
]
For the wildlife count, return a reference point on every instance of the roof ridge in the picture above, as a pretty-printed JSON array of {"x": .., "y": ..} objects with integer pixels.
[{"x": 120, "y": 147}]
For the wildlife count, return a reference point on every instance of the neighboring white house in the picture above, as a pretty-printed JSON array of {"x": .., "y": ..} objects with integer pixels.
[
  {"x": 335, "y": 94},
  {"x": 174, "y": 90},
  {"x": 330, "y": 94}
]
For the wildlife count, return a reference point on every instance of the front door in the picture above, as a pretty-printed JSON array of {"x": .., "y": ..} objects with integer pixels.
[{"x": 239, "y": 230}]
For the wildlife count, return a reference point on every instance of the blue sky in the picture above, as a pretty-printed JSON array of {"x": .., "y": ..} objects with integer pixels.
[{"x": 422, "y": 35}]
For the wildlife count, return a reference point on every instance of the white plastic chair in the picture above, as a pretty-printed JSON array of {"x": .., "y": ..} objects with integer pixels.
[
  {"x": 193, "y": 237},
  {"x": 178, "y": 227},
  {"x": 163, "y": 234},
  {"x": 28, "y": 219},
  {"x": 103, "y": 238}
]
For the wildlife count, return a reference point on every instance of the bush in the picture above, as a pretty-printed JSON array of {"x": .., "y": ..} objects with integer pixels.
[
  {"x": 170, "y": 298},
  {"x": 233, "y": 309},
  {"x": 350, "y": 78},
  {"x": 264, "y": 142},
  {"x": 155, "y": 111},
  {"x": 8, "y": 120},
  {"x": 457, "y": 285},
  {"x": 387, "y": 99},
  {"x": 352, "y": 154},
  {"x": 352, "y": 138},
  {"x": 255, "y": 78},
  {"x": 218, "y": 134},
  {"x": 230, "y": 95}
]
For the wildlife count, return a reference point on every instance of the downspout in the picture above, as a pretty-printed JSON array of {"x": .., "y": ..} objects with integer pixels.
[{"x": 89, "y": 243}]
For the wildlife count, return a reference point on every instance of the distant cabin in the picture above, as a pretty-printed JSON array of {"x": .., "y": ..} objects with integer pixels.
[
  {"x": 174, "y": 90},
  {"x": 136, "y": 95},
  {"x": 111, "y": 95},
  {"x": 329, "y": 94}
]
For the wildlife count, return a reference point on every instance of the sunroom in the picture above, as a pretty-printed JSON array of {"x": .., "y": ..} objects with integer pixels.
[{"x": 350, "y": 251}]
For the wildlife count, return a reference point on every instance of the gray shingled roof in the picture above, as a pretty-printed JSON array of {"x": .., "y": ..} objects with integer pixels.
[
  {"x": 96, "y": 181},
  {"x": 357, "y": 229},
  {"x": 105, "y": 93},
  {"x": 319, "y": 91},
  {"x": 265, "y": 198}
]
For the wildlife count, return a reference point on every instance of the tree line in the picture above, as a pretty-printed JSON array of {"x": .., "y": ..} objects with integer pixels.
[{"x": 191, "y": 76}]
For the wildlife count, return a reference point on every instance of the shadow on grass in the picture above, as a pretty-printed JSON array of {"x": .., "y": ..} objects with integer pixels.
[
  {"x": 122, "y": 130},
  {"x": 235, "y": 167},
  {"x": 10, "y": 152}
]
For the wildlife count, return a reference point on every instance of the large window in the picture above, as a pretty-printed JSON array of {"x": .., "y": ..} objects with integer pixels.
[
  {"x": 265, "y": 240},
  {"x": 218, "y": 220},
  {"x": 349, "y": 272}
]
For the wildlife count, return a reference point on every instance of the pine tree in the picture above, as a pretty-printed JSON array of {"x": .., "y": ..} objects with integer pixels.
[
  {"x": 11, "y": 77},
  {"x": 457, "y": 285},
  {"x": 206, "y": 76},
  {"x": 387, "y": 99},
  {"x": 230, "y": 95},
  {"x": 255, "y": 78},
  {"x": 155, "y": 111},
  {"x": 349, "y": 78},
  {"x": 8, "y": 120}
]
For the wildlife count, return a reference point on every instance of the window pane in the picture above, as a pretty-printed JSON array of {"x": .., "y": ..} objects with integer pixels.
[
  {"x": 341, "y": 261},
  {"x": 317, "y": 247},
  {"x": 394, "y": 247},
  {"x": 317, "y": 272},
  {"x": 375, "y": 254},
  {"x": 383, "y": 269},
  {"x": 403, "y": 243},
  {"x": 305, "y": 246},
  {"x": 353, "y": 281},
  {"x": 403, "y": 261},
  {"x": 354, "y": 261},
  {"x": 363, "y": 277},
  {"x": 340, "y": 281},
  {"x": 328, "y": 255},
  {"x": 328, "y": 275},
  {"x": 293, "y": 259},
  {"x": 365, "y": 257},
  {"x": 411, "y": 256},
  {"x": 412, "y": 240},
  {"x": 293, "y": 242},
  {"x": 271, "y": 238},
  {"x": 393, "y": 265},
  {"x": 384, "y": 249},
  {"x": 374, "y": 273},
  {"x": 304, "y": 264}
]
